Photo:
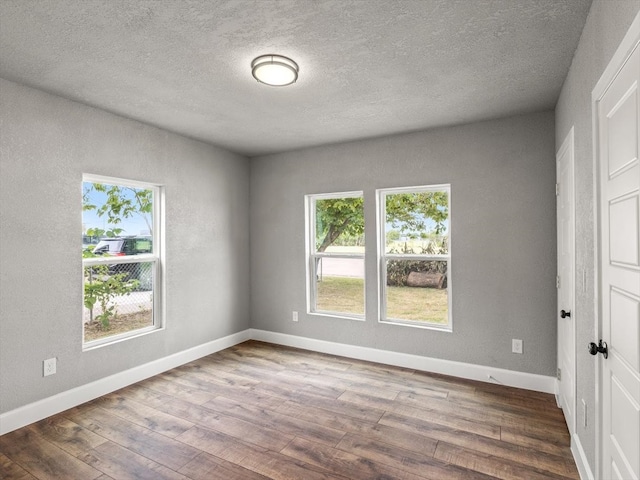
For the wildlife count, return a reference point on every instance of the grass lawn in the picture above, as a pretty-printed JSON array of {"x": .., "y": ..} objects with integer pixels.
[
  {"x": 344, "y": 294},
  {"x": 341, "y": 294}
]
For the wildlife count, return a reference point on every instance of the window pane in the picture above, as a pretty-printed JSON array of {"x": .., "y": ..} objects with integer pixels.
[
  {"x": 417, "y": 291},
  {"x": 117, "y": 299},
  {"x": 118, "y": 222},
  {"x": 339, "y": 285},
  {"x": 339, "y": 225},
  {"x": 417, "y": 223},
  {"x": 110, "y": 211}
]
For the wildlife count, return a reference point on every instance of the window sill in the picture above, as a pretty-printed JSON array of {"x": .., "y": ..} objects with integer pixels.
[
  {"x": 103, "y": 342},
  {"x": 423, "y": 325},
  {"x": 337, "y": 315}
]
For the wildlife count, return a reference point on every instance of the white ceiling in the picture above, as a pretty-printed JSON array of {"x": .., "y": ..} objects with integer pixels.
[{"x": 367, "y": 67}]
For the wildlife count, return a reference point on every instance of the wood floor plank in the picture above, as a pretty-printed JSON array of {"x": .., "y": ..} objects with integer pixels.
[
  {"x": 422, "y": 465},
  {"x": 281, "y": 467},
  {"x": 232, "y": 426},
  {"x": 344, "y": 463},
  {"x": 283, "y": 389},
  {"x": 479, "y": 414},
  {"x": 537, "y": 441},
  {"x": 208, "y": 467},
  {"x": 448, "y": 419},
  {"x": 530, "y": 403},
  {"x": 366, "y": 400},
  {"x": 123, "y": 464},
  {"x": 257, "y": 411},
  {"x": 193, "y": 394},
  {"x": 263, "y": 460},
  {"x": 495, "y": 404},
  {"x": 9, "y": 470},
  {"x": 368, "y": 377},
  {"x": 497, "y": 467},
  {"x": 207, "y": 383},
  {"x": 67, "y": 435},
  {"x": 42, "y": 459},
  {"x": 552, "y": 463},
  {"x": 219, "y": 444},
  {"x": 331, "y": 419},
  {"x": 145, "y": 416},
  {"x": 337, "y": 406},
  {"x": 163, "y": 450},
  {"x": 371, "y": 390},
  {"x": 276, "y": 421},
  {"x": 224, "y": 377},
  {"x": 307, "y": 378}
]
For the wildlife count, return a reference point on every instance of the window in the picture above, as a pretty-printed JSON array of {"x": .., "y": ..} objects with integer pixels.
[
  {"x": 121, "y": 259},
  {"x": 335, "y": 254},
  {"x": 414, "y": 256}
]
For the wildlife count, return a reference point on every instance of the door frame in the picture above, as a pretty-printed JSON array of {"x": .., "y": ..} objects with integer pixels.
[
  {"x": 624, "y": 50},
  {"x": 569, "y": 145}
]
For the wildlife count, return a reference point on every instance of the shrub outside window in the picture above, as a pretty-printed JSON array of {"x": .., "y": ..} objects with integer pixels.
[
  {"x": 121, "y": 259},
  {"x": 414, "y": 260},
  {"x": 335, "y": 254}
]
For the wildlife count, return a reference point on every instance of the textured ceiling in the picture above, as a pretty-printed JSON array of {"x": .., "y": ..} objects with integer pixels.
[{"x": 367, "y": 67}]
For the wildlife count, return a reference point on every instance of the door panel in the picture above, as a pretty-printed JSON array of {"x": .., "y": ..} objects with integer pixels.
[
  {"x": 625, "y": 332},
  {"x": 623, "y": 231},
  {"x": 624, "y": 410},
  {"x": 566, "y": 274},
  {"x": 622, "y": 127},
  {"x": 619, "y": 142}
]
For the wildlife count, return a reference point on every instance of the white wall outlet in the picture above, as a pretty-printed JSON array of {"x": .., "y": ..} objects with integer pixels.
[
  {"x": 584, "y": 413},
  {"x": 49, "y": 367},
  {"x": 295, "y": 316},
  {"x": 516, "y": 345}
]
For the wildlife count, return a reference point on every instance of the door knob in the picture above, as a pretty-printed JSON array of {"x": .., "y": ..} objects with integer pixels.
[
  {"x": 565, "y": 314},
  {"x": 600, "y": 348}
]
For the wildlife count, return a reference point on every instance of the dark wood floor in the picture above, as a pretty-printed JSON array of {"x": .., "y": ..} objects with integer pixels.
[{"x": 259, "y": 411}]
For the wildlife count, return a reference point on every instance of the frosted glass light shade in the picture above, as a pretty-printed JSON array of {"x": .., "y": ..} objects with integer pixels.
[{"x": 274, "y": 70}]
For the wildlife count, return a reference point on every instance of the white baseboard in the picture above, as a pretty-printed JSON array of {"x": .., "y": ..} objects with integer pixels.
[
  {"x": 470, "y": 371},
  {"x": 581, "y": 459},
  {"x": 46, "y": 407}
]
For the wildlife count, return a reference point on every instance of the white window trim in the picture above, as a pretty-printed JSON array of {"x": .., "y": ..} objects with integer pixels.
[
  {"x": 157, "y": 258},
  {"x": 312, "y": 255},
  {"x": 383, "y": 257}
]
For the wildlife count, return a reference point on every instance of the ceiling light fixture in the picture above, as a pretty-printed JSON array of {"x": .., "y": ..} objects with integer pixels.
[{"x": 274, "y": 70}]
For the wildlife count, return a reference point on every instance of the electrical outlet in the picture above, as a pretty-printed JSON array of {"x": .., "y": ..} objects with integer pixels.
[
  {"x": 516, "y": 345},
  {"x": 584, "y": 413},
  {"x": 295, "y": 316},
  {"x": 49, "y": 367}
]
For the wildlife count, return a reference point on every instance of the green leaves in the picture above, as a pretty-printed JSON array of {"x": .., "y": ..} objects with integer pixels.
[
  {"x": 336, "y": 217},
  {"x": 101, "y": 287},
  {"x": 414, "y": 213},
  {"x": 121, "y": 202},
  {"x": 417, "y": 215}
]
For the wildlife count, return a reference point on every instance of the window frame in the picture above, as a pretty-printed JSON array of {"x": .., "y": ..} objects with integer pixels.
[
  {"x": 156, "y": 258},
  {"x": 383, "y": 257},
  {"x": 312, "y": 255}
]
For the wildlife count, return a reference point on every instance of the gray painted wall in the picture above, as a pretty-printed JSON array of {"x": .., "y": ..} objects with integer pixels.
[
  {"x": 607, "y": 23},
  {"x": 46, "y": 144},
  {"x": 502, "y": 176}
]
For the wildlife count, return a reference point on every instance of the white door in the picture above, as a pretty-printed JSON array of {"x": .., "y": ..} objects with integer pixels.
[
  {"x": 618, "y": 121},
  {"x": 566, "y": 249}
]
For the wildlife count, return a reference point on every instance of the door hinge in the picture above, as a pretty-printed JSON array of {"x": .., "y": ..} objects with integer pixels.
[
  {"x": 557, "y": 189},
  {"x": 557, "y": 281},
  {"x": 559, "y": 374}
]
